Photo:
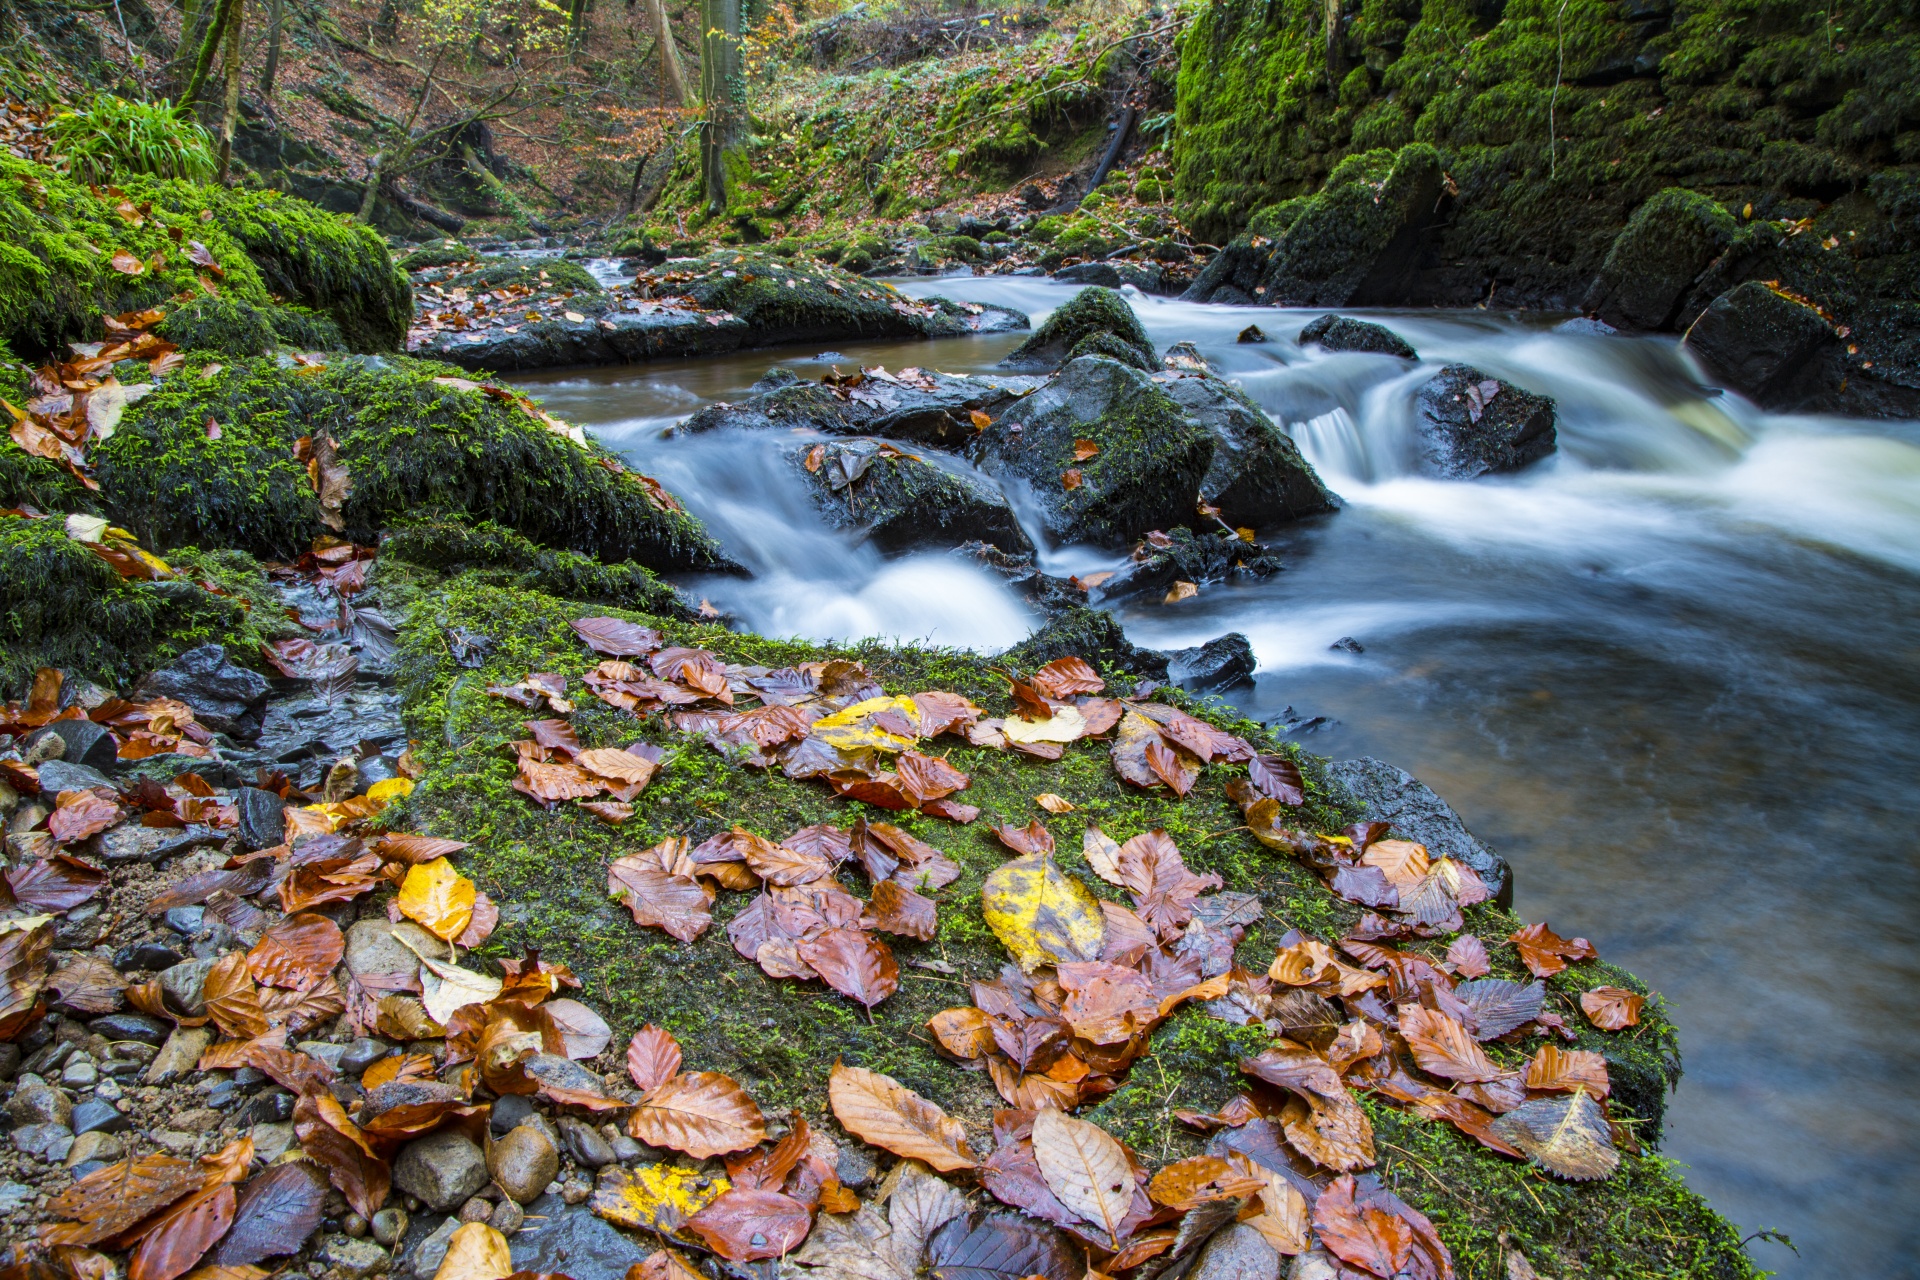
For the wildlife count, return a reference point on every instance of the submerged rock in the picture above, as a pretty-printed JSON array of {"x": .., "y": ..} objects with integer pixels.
[
  {"x": 1472, "y": 424},
  {"x": 1091, "y": 311},
  {"x": 906, "y": 500},
  {"x": 934, "y": 408},
  {"x": 1257, "y": 476},
  {"x": 1220, "y": 663},
  {"x": 1343, "y": 333},
  {"x": 1162, "y": 559}
]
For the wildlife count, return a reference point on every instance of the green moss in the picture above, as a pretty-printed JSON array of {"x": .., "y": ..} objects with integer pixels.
[
  {"x": 41, "y": 484},
  {"x": 236, "y": 328},
  {"x": 1092, "y": 310},
  {"x": 451, "y": 545},
  {"x": 63, "y": 606},
  {"x": 412, "y": 438},
  {"x": 781, "y": 1038},
  {"x": 436, "y": 255},
  {"x": 542, "y": 275}
]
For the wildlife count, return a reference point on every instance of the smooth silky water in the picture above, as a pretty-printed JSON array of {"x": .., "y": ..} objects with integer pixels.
[{"x": 1673, "y": 674}]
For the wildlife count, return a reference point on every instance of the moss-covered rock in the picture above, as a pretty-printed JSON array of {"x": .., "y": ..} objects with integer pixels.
[
  {"x": 63, "y": 606},
  {"x": 1471, "y": 424},
  {"x": 1148, "y": 466},
  {"x": 435, "y": 255},
  {"x": 1103, "y": 343},
  {"x": 1257, "y": 476},
  {"x": 60, "y": 243},
  {"x": 1092, "y": 310},
  {"x": 935, "y": 410},
  {"x": 41, "y": 483},
  {"x": 1652, "y": 264},
  {"x": 236, "y": 328},
  {"x": 1344, "y": 333},
  {"x": 449, "y": 545},
  {"x": 413, "y": 438},
  {"x": 541, "y": 275},
  {"x": 903, "y": 501}
]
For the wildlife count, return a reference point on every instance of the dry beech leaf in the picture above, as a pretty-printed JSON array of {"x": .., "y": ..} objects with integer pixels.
[
  {"x": 678, "y": 904},
  {"x": 583, "y": 1033},
  {"x": 1444, "y": 1047},
  {"x": 476, "y": 1252},
  {"x": 653, "y": 1057},
  {"x": 1566, "y": 1135},
  {"x": 1041, "y": 914},
  {"x": 1564, "y": 1070},
  {"x": 1053, "y": 803},
  {"x": 1103, "y": 855},
  {"x": 701, "y": 1113},
  {"x": 439, "y": 898},
  {"x": 337, "y": 1144},
  {"x": 179, "y": 1238},
  {"x": 1084, "y": 449},
  {"x": 277, "y": 1212},
  {"x": 880, "y": 1110},
  {"x": 617, "y": 638},
  {"x": 232, "y": 1002},
  {"x": 1612, "y": 1008},
  {"x": 664, "y": 1264},
  {"x": 108, "y": 1201},
  {"x": 296, "y": 952},
  {"x": 1546, "y": 953},
  {"x": 1277, "y": 778},
  {"x": 1085, "y": 1168},
  {"x": 1468, "y": 956},
  {"x": 900, "y": 911}
]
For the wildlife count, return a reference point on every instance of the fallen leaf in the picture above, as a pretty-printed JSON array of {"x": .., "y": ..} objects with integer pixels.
[
  {"x": 980, "y": 420},
  {"x": 1468, "y": 956},
  {"x": 1197, "y": 1180},
  {"x": 1566, "y": 1135},
  {"x": 1443, "y": 1047},
  {"x": 337, "y": 1145},
  {"x": 126, "y": 263},
  {"x": 1084, "y": 449},
  {"x": 276, "y": 1214},
  {"x": 747, "y": 1225},
  {"x": 655, "y": 1197},
  {"x": 1053, "y": 803},
  {"x": 296, "y": 951},
  {"x": 1563, "y": 1070},
  {"x": 1001, "y": 1246},
  {"x": 1070, "y": 479},
  {"x": 439, "y": 898},
  {"x": 653, "y": 1057},
  {"x": 1360, "y": 1232},
  {"x": 880, "y": 1110},
  {"x": 617, "y": 637},
  {"x": 1612, "y": 1008},
  {"x": 583, "y": 1033},
  {"x": 1180, "y": 591},
  {"x": 701, "y": 1113},
  {"x": 58, "y": 883},
  {"x": 1086, "y": 1169},
  {"x": 1500, "y": 1006},
  {"x": 1277, "y": 778},
  {"x": 1041, "y": 914},
  {"x": 900, "y": 911},
  {"x": 174, "y": 1242},
  {"x": 1545, "y": 953},
  {"x": 678, "y": 904},
  {"x": 232, "y": 1002},
  {"x": 476, "y": 1252}
]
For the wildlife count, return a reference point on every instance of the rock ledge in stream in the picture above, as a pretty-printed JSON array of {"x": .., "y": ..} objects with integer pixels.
[
  {"x": 904, "y": 501},
  {"x": 1387, "y": 793},
  {"x": 930, "y": 408},
  {"x": 1472, "y": 424}
]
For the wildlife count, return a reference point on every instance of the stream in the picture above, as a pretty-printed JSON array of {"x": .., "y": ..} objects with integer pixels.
[{"x": 1672, "y": 674}]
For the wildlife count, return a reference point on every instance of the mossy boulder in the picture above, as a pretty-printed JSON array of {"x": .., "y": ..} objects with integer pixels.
[
  {"x": 1775, "y": 350},
  {"x": 1092, "y": 310},
  {"x": 435, "y": 255},
  {"x": 1150, "y": 461},
  {"x": 804, "y": 301},
  {"x": 63, "y": 606},
  {"x": 41, "y": 484},
  {"x": 59, "y": 245},
  {"x": 1257, "y": 476},
  {"x": 1653, "y": 263},
  {"x": 1471, "y": 424},
  {"x": 1103, "y": 343},
  {"x": 904, "y": 501},
  {"x": 540, "y": 275},
  {"x": 237, "y": 328},
  {"x": 1344, "y": 333},
  {"x": 413, "y": 437},
  {"x": 937, "y": 409}
]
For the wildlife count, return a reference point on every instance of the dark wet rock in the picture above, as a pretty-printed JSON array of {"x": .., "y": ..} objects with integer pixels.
[
  {"x": 441, "y": 1170},
  {"x": 39, "y": 1104},
  {"x": 1093, "y": 310},
  {"x": 179, "y": 1056},
  {"x": 152, "y": 956},
  {"x": 1356, "y": 242},
  {"x": 305, "y": 733},
  {"x": 508, "y": 1114},
  {"x": 1586, "y": 326},
  {"x": 362, "y": 1053},
  {"x": 225, "y": 697},
  {"x": 584, "y": 1143},
  {"x": 129, "y": 843},
  {"x": 1472, "y": 424},
  {"x": 48, "y": 1142},
  {"x": 425, "y": 1255},
  {"x": 1104, "y": 274},
  {"x": 1389, "y": 794},
  {"x": 1784, "y": 356},
  {"x": 1022, "y": 573},
  {"x": 1185, "y": 556},
  {"x": 936, "y": 408},
  {"x": 1093, "y": 634},
  {"x": 1151, "y": 457},
  {"x": 1668, "y": 243},
  {"x": 84, "y": 743},
  {"x": 775, "y": 378},
  {"x": 1347, "y": 644},
  {"x": 907, "y": 500},
  {"x": 128, "y": 1025},
  {"x": 1343, "y": 333},
  {"x": 1114, "y": 348},
  {"x": 95, "y": 1116},
  {"x": 62, "y": 775},
  {"x": 185, "y": 921},
  {"x": 262, "y": 818},
  {"x": 523, "y": 1163},
  {"x": 1147, "y": 277},
  {"x": 1252, "y": 333},
  {"x": 1220, "y": 663},
  {"x": 573, "y": 1240},
  {"x": 1257, "y": 476}
]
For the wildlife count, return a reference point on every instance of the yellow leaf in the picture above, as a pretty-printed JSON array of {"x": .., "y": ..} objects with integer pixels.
[
  {"x": 885, "y": 724},
  {"x": 439, "y": 897},
  {"x": 656, "y": 1197},
  {"x": 386, "y": 791},
  {"x": 1065, "y": 725},
  {"x": 1181, "y": 591},
  {"x": 445, "y": 987},
  {"x": 476, "y": 1252},
  {"x": 1053, "y": 803},
  {"x": 1042, "y": 914}
]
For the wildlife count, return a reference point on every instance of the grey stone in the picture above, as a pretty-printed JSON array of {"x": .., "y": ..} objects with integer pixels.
[
  {"x": 1777, "y": 352},
  {"x": 1100, "y": 273},
  {"x": 432, "y": 1251},
  {"x": 331, "y": 1054},
  {"x": 1315, "y": 1264},
  {"x": 86, "y": 743},
  {"x": 1389, "y": 794},
  {"x": 94, "y": 1146},
  {"x": 855, "y": 1167},
  {"x": 182, "y": 986},
  {"x": 389, "y": 1225},
  {"x": 441, "y": 1169},
  {"x": 353, "y": 1257},
  {"x": 96, "y": 1116},
  {"x": 1654, "y": 262},
  {"x": 9, "y": 1061},
  {"x": 39, "y": 1104},
  {"x": 1091, "y": 311},
  {"x": 1343, "y": 333},
  {"x": 79, "y": 1073},
  {"x": 1238, "y": 1252},
  {"x": 361, "y": 1054},
  {"x": 185, "y": 921},
  {"x": 262, "y": 818},
  {"x": 225, "y": 697},
  {"x": 14, "y": 1196},
  {"x": 271, "y": 1141},
  {"x": 155, "y": 957},
  {"x": 584, "y": 1143},
  {"x": 938, "y": 411},
  {"x": 508, "y": 1114},
  {"x": 573, "y": 1240},
  {"x": 1472, "y": 424},
  {"x": 179, "y": 1055},
  {"x": 905, "y": 500},
  {"x": 1252, "y": 333},
  {"x": 507, "y": 1217},
  {"x": 478, "y": 1209},
  {"x": 49, "y": 1142},
  {"x": 62, "y": 775},
  {"x": 1220, "y": 663},
  {"x": 1257, "y": 475},
  {"x": 372, "y": 948},
  {"x": 523, "y": 1163},
  {"x": 625, "y": 1149}
]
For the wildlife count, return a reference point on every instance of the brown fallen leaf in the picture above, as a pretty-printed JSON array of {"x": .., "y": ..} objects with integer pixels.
[
  {"x": 296, "y": 951},
  {"x": 336, "y": 1144},
  {"x": 1558, "y": 1070},
  {"x": 87, "y": 984},
  {"x": 57, "y": 883},
  {"x": 745, "y": 1225},
  {"x": 1612, "y": 1008},
  {"x": 1053, "y": 803},
  {"x": 111, "y": 1200},
  {"x": 701, "y": 1113},
  {"x": 900, "y": 911},
  {"x": 1180, "y": 591},
  {"x": 232, "y": 1002},
  {"x": 854, "y": 963},
  {"x": 879, "y": 1109},
  {"x": 1070, "y": 478},
  {"x": 1444, "y": 1047},
  {"x": 653, "y": 1057},
  {"x": 175, "y": 1241},
  {"x": 1566, "y": 1135},
  {"x": 1468, "y": 956},
  {"x": 678, "y": 904},
  {"x": 1546, "y": 953},
  {"x": 1086, "y": 1169},
  {"x": 1084, "y": 449}
]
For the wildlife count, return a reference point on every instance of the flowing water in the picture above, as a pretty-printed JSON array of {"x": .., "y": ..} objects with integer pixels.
[{"x": 1673, "y": 674}]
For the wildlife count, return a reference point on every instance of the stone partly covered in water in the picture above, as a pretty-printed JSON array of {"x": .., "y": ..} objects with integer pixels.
[
  {"x": 1775, "y": 350},
  {"x": 684, "y": 307},
  {"x": 903, "y": 500},
  {"x": 225, "y": 697},
  {"x": 1472, "y": 424},
  {"x": 1220, "y": 663},
  {"x": 1653, "y": 264},
  {"x": 1163, "y": 559},
  {"x": 917, "y": 405},
  {"x": 1257, "y": 477},
  {"x": 1091, "y": 311},
  {"x": 1343, "y": 333}
]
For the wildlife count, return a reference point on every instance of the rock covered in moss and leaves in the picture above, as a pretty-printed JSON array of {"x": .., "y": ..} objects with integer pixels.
[
  {"x": 233, "y": 327},
  {"x": 67, "y": 608},
  {"x": 1387, "y": 793},
  {"x": 1092, "y": 633},
  {"x": 1148, "y": 456},
  {"x": 1257, "y": 476},
  {"x": 906, "y": 499},
  {"x": 1103, "y": 343},
  {"x": 450, "y": 544},
  {"x": 1354, "y": 242},
  {"x": 1162, "y": 560},
  {"x": 1653, "y": 263},
  {"x": 1775, "y": 350},
  {"x": 412, "y": 437},
  {"x": 1344, "y": 333},
  {"x": 72, "y": 255},
  {"x": 1092, "y": 311},
  {"x": 913, "y": 404},
  {"x": 1472, "y": 424}
]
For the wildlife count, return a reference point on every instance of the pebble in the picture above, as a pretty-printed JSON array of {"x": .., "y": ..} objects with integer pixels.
[
  {"x": 354, "y": 1258},
  {"x": 94, "y": 1145},
  {"x": 154, "y": 957},
  {"x": 523, "y": 1163},
  {"x": 13, "y": 1196},
  {"x": 1238, "y": 1253},
  {"x": 432, "y": 1251},
  {"x": 389, "y": 1225},
  {"x": 185, "y": 921},
  {"x": 271, "y": 1141},
  {"x": 584, "y": 1143},
  {"x": 323, "y": 1051},
  {"x": 576, "y": 1192},
  {"x": 49, "y": 1142},
  {"x": 173, "y": 1140},
  {"x": 355, "y": 1226},
  {"x": 183, "y": 985},
  {"x": 478, "y": 1209},
  {"x": 508, "y": 1114},
  {"x": 442, "y": 1169},
  {"x": 179, "y": 1055},
  {"x": 508, "y": 1217},
  {"x": 79, "y": 1073},
  {"x": 39, "y": 1104},
  {"x": 361, "y": 1054},
  {"x": 9, "y": 1061},
  {"x": 109, "y": 1090},
  {"x": 625, "y": 1149},
  {"x": 96, "y": 1116}
]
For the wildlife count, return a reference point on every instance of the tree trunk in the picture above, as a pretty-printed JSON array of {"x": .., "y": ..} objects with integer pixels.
[
  {"x": 230, "y": 117},
  {"x": 372, "y": 192},
  {"x": 203, "y": 61},
  {"x": 277, "y": 15},
  {"x": 723, "y": 90},
  {"x": 193, "y": 28},
  {"x": 673, "y": 78}
]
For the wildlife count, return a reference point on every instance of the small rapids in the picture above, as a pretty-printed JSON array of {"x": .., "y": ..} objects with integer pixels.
[{"x": 1672, "y": 673}]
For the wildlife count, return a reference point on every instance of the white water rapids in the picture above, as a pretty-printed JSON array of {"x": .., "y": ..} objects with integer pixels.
[{"x": 1672, "y": 673}]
